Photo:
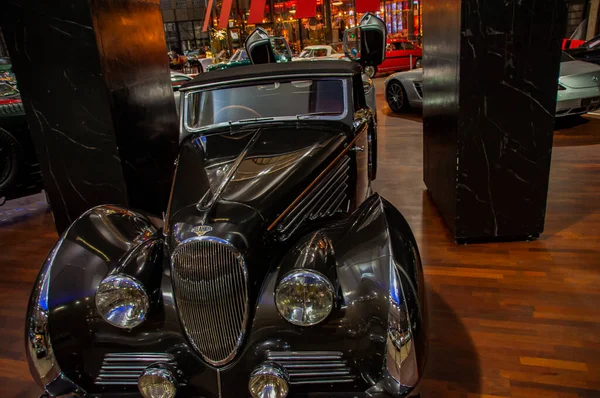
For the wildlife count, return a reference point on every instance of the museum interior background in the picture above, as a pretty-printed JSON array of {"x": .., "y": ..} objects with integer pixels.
[{"x": 514, "y": 315}]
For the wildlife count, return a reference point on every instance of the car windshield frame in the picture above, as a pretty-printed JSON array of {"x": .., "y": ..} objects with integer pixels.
[{"x": 185, "y": 116}]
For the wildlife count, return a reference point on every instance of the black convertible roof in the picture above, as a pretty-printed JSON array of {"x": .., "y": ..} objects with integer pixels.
[{"x": 307, "y": 68}]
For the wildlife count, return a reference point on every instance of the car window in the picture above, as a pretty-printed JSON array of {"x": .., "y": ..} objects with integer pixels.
[
  {"x": 396, "y": 46},
  {"x": 408, "y": 46},
  {"x": 278, "y": 99},
  {"x": 305, "y": 54},
  {"x": 320, "y": 52}
]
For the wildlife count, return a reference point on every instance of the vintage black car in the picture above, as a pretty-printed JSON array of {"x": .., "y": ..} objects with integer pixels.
[{"x": 275, "y": 272}]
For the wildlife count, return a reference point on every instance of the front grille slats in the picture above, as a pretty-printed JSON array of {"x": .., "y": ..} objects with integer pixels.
[
  {"x": 209, "y": 277},
  {"x": 314, "y": 367},
  {"x": 125, "y": 368}
]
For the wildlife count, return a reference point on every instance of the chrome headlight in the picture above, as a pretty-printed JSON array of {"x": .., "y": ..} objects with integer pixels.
[
  {"x": 157, "y": 382},
  {"x": 122, "y": 301},
  {"x": 269, "y": 380},
  {"x": 304, "y": 297}
]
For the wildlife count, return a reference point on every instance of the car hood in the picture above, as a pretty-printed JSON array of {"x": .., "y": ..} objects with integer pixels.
[
  {"x": 239, "y": 182},
  {"x": 410, "y": 75},
  {"x": 579, "y": 74}
]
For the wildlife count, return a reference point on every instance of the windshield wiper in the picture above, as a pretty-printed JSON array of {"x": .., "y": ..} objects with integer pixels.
[
  {"x": 307, "y": 115},
  {"x": 252, "y": 120}
]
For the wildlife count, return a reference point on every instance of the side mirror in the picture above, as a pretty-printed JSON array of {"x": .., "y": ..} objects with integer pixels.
[
  {"x": 366, "y": 43},
  {"x": 259, "y": 47}
]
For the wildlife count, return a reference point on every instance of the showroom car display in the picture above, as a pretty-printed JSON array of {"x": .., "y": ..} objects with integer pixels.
[
  {"x": 578, "y": 87},
  {"x": 177, "y": 79},
  {"x": 20, "y": 173},
  {"x": 240, "y": 57},
  {"x": 400, "y": 55},
  {"x": 588, "y": 51},
  {"x": 404, "y": 90},
  {"x": 275, "y": 271},
  {"x": 318, "y": 52}
]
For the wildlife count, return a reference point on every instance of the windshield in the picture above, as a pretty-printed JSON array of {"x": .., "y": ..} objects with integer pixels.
[
  {"x": 7, "y": 91},
  {"x": 285, "y": 99},
  {"x": 304, "y": 54}
]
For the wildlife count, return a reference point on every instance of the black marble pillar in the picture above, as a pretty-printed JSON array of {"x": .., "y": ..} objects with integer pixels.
[
  {"x": 490, "y": 81},
  {"x": 95, "y": 83}
]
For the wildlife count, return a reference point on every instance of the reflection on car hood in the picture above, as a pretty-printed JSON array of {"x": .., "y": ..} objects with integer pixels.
[{"x": 258, "y": 171}]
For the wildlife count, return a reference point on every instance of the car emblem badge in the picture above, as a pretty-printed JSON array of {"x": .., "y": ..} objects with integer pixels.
[
  {"x": 202, "y": 230},
  {"x": 595, "y": 79}
]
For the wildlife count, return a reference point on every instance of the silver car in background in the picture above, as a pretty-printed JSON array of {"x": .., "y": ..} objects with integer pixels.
[
  {"x": 404, "y": 90},
  {"x": 578, "y": 87}
]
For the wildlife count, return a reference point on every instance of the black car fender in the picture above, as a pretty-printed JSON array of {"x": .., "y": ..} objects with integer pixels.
[
  {"x": 104, "y": 239},
  {"x": 372, "y": 260}
]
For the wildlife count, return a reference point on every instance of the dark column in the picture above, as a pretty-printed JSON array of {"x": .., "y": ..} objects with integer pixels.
[
  {"x": 491, "y": 71},
  {"x": 95, "y": 82}
]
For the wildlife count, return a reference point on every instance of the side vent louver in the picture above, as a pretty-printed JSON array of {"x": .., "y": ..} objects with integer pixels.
[
  {"x": 124, "y": 369},
  {"x": 314, "y": 367},
  {"x": 326, "y": 198}
]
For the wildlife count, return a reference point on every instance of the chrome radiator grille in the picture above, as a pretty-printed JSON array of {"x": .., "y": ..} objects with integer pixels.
[
  {"x": 124, "y": 369},
  {"x": 314, "y": 367},
  {"x": 210, "y": 281}
]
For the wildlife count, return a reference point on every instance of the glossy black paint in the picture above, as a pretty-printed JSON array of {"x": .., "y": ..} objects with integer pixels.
[
  {"x": 361, "y": 250},
  {"x": 102, "y": 115},
  {"x": 490, "y": 73}
]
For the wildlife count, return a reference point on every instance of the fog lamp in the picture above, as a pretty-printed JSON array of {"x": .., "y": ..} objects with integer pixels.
[
  {"x": 304, "y": 297},
  {"x": 157, "y": 383},
  {"x": 269, "y": 380},
  {"x": 122, "y": 301}
]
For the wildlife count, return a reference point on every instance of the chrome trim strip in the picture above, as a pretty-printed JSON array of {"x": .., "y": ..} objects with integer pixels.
[
  {"x": 254, "y": 79},
  {"x": 219, "y": 383}
]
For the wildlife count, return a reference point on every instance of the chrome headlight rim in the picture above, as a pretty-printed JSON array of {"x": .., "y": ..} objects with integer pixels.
[
  {"x": 269, "y": 369},
  {"x": 299, "y": 273},
  {"x": 137, "y": 286},
  {"x": 161, "y": 372}
]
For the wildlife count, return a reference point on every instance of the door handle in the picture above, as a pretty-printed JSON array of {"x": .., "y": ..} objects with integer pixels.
[{"x": 357, "y": 148}]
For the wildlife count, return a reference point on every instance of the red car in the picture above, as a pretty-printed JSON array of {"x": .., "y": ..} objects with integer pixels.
[{"x": 398, "y": 57}]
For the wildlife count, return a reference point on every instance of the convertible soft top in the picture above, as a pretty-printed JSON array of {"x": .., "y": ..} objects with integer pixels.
[{"x": 301, "y": 68}]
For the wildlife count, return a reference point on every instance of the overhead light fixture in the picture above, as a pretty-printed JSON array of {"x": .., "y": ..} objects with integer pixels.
[
  {"x": 292, "y": 11},
  {"x": 337, "y": 3}
]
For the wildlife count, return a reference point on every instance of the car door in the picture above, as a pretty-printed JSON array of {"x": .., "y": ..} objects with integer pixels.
[{"x": 395, "y": 58}]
